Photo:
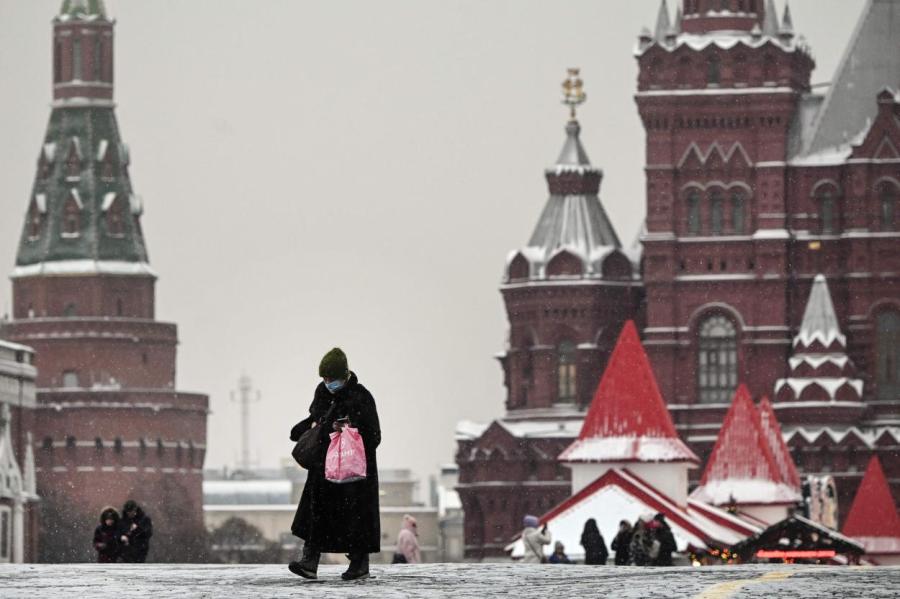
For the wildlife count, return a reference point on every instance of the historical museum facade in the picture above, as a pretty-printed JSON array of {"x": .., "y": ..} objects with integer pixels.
[{"x": 769, "y": 258}]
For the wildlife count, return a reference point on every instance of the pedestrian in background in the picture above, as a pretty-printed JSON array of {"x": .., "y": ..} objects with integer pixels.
[
  {"x": 408, "y": 542},
  {"x": 621, "y": 543},
  {"x": 135, "y": 529},
  {"x": 595, "y": 553},
  {"x": 106, "y": 537},
  {"x": 642, "y": 550},
  {"x": 666, "y": 541},
  {"x": 534, "y": 540},
  {"x": 559, "y": 554}
]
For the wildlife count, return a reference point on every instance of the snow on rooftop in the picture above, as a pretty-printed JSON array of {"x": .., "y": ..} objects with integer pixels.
[
  {"x": 83, "y": 267},
  {"x": 745, "y": 491},
  {"x": 626, "y": 449},
  {"x": 742, "y": 468},
  {"x": 247, "y": 492},
  {"x": 820, "y": 323},
  {"x": 627, "y": 419},
  {"x": 466, "y": 430}
]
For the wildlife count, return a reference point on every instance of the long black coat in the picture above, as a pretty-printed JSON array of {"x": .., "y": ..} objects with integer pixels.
[
  {"x": 138, "y": 530},
  {"x": 341, "y": 518}
]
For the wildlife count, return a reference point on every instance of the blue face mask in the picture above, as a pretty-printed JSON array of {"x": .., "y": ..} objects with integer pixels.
[{"x": 335, "y": 386}]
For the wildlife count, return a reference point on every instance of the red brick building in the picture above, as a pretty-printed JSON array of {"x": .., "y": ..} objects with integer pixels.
[
  {"x": 108, "y": 423},
  {"x": 756, "y": 184}
]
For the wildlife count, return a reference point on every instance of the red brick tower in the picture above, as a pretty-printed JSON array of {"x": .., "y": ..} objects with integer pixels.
[
  {"x": 109, "y": 424},
  {"x": 567, "y": 294},
  {"x": 754, "y": 186}
]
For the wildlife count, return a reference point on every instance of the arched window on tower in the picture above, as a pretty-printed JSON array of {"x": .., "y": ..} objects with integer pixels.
[
  {"x": 887, "y": 371},
  {"x": 826, "y": 203},
  {"x": 716, "y": 360},
  {"x": 713, "y": 70},
  {"x": 737, "y": 211},
  {"x": 76, "y": 60},
  {"x": 716, "y": 212},
  {"x": 115, "y": 218},
  {"x": 71, "y": 218},
  {"x": 98, "y": 59},
  {"x": 887, "y": 207},
  {"x": 57, "y": 61},
  {"x": 770, "y": 70},
  {"x": 566, "y": 372},
  {"x": 693, "y": 212}
]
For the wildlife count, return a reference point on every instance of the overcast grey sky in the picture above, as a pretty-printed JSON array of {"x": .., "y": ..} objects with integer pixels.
[{"x": 349, "y": 173}]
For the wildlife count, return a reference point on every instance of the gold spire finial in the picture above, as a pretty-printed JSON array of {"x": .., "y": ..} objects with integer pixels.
[{"x": 573, "y": 91}]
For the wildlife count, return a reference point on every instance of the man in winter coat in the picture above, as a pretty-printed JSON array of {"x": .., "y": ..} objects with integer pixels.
[
  {"x": 106, "y": 537},
  {"x": 135, "y": 528},
  {"x": 666, "y": 542},
  {"x": 408, "y": 543},
  {"x": 534, "y": 540},
  {"x": 331, "y": 517},
  {"x": 622, "y": 542}
]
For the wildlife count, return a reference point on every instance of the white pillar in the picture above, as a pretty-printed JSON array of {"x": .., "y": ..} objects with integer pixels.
[{"x": 18, "y": 532}]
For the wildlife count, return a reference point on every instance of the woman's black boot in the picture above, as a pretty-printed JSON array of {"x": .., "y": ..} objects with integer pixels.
[
  {"x": 359, "y": 567},
  {"x": 308, "y": 565}
]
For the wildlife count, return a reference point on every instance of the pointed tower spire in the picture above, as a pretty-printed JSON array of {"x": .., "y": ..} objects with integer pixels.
[
  {"x": 770, "y": 20},
  {"x": 662, "y": 23},
  {"x": 627, "y": 419},
  {"x": 873, "y": 517},
  {"x": 787, "y": 23},
  {"x": 820, "y": 322},
  {"x": 820, "y": 369},
  {"x": 742, "y": 469},
  {"x": 679, "y": 17}
]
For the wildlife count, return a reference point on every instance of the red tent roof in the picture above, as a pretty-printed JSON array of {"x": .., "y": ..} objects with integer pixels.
[
  {"x": 873, "y": 512},
  {"x": 627, "y": 419},
  {"x": 743, "y": 468},
  {"x": 772, "y": 430}
]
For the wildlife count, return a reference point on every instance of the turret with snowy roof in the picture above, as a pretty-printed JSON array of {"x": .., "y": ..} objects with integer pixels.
[
  {"x": 820, "y": 369},
  {"x": 628, "y": 424},
  {"x": 873, "y": 518},
  {"x": 750, "y": 468}
]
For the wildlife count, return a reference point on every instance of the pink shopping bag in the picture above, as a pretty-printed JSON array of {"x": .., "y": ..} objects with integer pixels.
[{"x": 345, "y": 461}]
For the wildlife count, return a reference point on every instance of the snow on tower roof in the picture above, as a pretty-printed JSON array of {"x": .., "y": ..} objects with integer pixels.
[
  {"x": 742, "y": 468},
  {"x": 662, "y": 22},
  {"x": 628, "y": 420},
  {"x": 82, "y": 9},
  {"x": 867, "y": 67},
  {"x": 873, "y": 518},
  {"x": 820, "y": 323},
  {"x": 772, "y": 431}
]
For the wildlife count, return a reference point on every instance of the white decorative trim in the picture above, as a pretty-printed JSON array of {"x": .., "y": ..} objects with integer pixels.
[
  {"x": 83, "y": 267},
  {"x": 714, "y": 92}
]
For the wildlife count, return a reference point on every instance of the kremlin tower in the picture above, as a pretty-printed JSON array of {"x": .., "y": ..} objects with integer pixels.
[{"x": 109, "y": 424}]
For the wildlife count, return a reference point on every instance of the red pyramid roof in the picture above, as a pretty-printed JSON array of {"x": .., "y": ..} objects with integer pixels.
[
  {"x": 627, "y": 419},
  {"x": 873, "y": 512},
  {"x": 772, "y": 430},
  {"x": 742, "y": 467}
]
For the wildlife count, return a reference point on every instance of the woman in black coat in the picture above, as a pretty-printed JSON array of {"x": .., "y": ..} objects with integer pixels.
[
  {"x": 331, "y": 517},
  {"x": 106, "y": 537},
  {"x": 595, "y": 553}
]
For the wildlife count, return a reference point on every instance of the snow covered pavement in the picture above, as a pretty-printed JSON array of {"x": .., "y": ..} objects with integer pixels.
[{"x": 161, "y": 581}]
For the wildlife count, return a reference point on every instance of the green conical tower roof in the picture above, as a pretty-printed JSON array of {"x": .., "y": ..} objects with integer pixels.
[
  {"x": 82, "y": 9},
  {"x": 82, "y": 205}
]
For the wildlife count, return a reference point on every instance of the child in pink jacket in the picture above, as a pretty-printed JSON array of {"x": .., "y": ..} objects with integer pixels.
[{"x": 408, "y": 543}]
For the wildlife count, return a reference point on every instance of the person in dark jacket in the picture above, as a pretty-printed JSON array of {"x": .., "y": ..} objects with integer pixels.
[
  {"x": 641, "y": 550},
  {"x": 339, "y": 518},
  {"x": 135, "y": 530},
  {"x": 106, "y": 537},
  {"x": 622, "y": 543},
  {"x": 595, "y": 553},
  {"x": 559, "y": 555},
  {"x": 666, "y": 541}
]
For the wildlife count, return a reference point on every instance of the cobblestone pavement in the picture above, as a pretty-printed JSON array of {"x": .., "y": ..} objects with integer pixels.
[{"x": 161, "y": 581}]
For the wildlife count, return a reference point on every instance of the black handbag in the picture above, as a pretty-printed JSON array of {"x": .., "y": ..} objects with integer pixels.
[{"x": 309, "y": 446}]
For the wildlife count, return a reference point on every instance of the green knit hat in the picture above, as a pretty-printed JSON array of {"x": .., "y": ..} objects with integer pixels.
[{"x": 334, "y": 365}]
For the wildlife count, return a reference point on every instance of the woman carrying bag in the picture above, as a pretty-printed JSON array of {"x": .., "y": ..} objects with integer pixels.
[{"x": 337, "y": 517}]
